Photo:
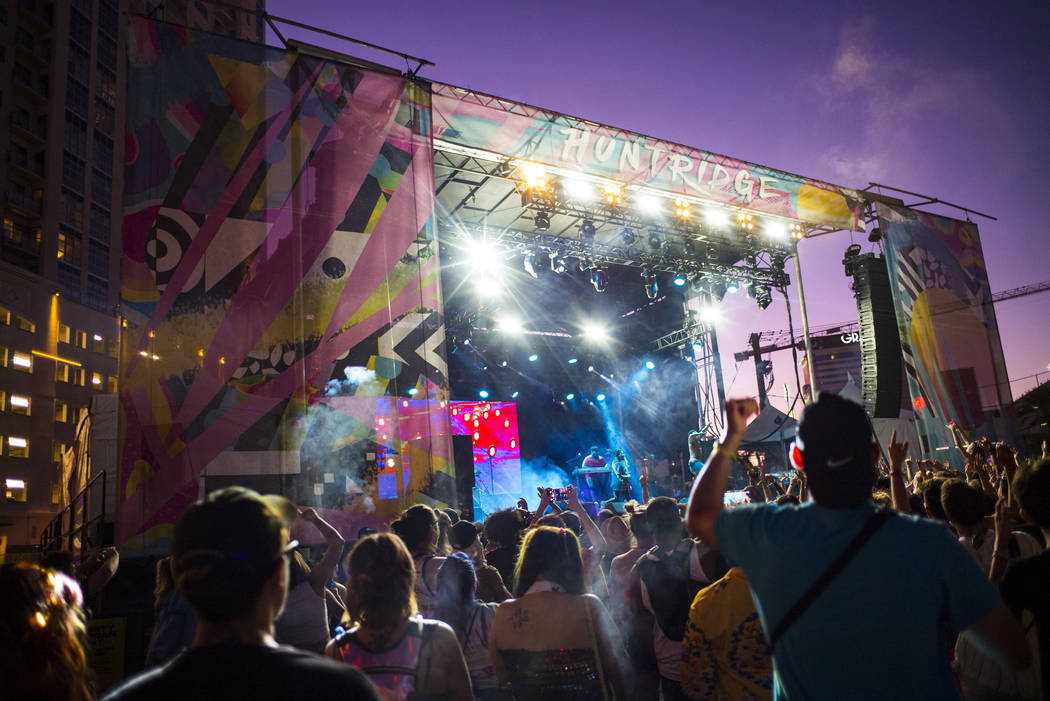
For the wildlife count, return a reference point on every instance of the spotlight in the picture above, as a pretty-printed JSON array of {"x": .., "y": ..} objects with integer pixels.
[
  {"x": 573, "y": 361},
  {"x": 600, "y": 397},
  {"x": 533, "y": 358},
  {"x": 570, "y": 396},
  {"x": 587, "y": 229},
  {"x": 542, "y": 221},
  {"x": 484, "y": 394},
  {"x": 698, "y": 350},
  {"x": 681, "y": 209},
  {"x": 655, "y": 240},
  {"x": 652, "y": 287},
  {"x": 558, "y": 264},
  {"x": 847, "y": 260},
  {"x": 649, "y": 204},
  {"x": 797, "y": 232},
  {"x": 628, "y": 237},
  {"x": 743, "y": 220},
  {"x": 595, "y": 333},
  {"x": 716, "y": 218},
  {"x": 535, "y": 176},
  {"x": 590, "y": 368},
  {"x": 510, "y": 324},
  {"x": 578, "y": 189},
  {"x": 710, "y": 315},
  {"x": 775, "y": 229},
  {"x": 650, "y": 365},
  {"x": 600, "y": 279},
  {"x": 484, "y": 255},
  {"x": 763, "y": 297},
  {"x": 412, "y": 391},
  {"x": 613, "y": 194},
  {"x": 718, "y": 289},
  {"x": 732, "y": 287},
  {"x": 750, "y": 260},
  {"x": 679, "y": 280},
  {"x": 875, "y": 235},
  {"x": 513, "y": 395},
  {"x": 533, "y": 264}
]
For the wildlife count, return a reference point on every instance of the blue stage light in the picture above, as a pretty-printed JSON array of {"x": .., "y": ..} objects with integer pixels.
[
  {"x": 412, "y": 392},
  {"x": 484, "y": 394},
  {"x": 600, "y": 397},
  {"x": 533, "y": 358},
  {"x": 570, "y": 396},
  {"x": 650, "y": 364},
  {"x": 573, "y": 361},
  {"x": 679, "y": 281},
  {"x": 514, "y": 395}
]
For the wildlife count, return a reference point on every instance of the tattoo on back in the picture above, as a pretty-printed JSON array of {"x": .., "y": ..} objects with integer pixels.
[{"x": 520, "y": 617}]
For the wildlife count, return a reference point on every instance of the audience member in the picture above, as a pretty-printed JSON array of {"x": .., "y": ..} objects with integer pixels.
[
  {"x": 419, "y": 531},
  {"x": 404, "y": 655},
  {"x": 230, "y": 555},
  {"x": 175, "y": 623},
  {"x": 503, "y": 530},
  {"x": 304, "y": 622},
  {"x": 464, "y": 537}
]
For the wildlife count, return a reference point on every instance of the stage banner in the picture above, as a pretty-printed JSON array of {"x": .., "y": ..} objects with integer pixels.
[
  {"x": 282, "y": 317},
  {"x": 510, "y": 130},
  {"x": 949, "y": 336}
]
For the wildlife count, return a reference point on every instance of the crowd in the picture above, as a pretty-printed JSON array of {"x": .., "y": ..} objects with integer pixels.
[{"x": 854, "y": 577}]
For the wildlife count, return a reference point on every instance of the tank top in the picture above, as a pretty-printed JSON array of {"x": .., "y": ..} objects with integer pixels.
[
  {"x": 424, "y": 594},
  {"x": 539, "y": 675},
  {"x": 392, "y": 671},
  {"x": 304, "y": 622}
]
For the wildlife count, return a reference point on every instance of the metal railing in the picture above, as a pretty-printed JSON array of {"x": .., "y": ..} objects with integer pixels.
[{"x": 78, "y": 523}]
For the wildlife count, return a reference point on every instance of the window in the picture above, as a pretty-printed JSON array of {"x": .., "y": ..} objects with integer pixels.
[
  {"x": 111, "y": 384},
  {"x": 97, "y": 296},
  {"x": 75, "y": 134},
  {"x": 68, "y": 245},
  {"x": 96, "y": 380},
  {"x": 23, "y": 75},
  {"x": 73, "y": 170},
  {"x": 105, "y": 116},
  {"x": 101, "y": 186},
  {"x": 5, "y": 316},
  {"x": 81, "y": 414},
  {"x": 20, "y": 404},
  {"x": 64, "y": 333},
  {"x": 77, "y": 96},
  {"x": 81, "y": 339},
  {"x": 62, "y": 373},
  {"x": 71, "y": 209},
  {"x": 25, "y": 324},
  {"x": 69, "y": 278},
  {"x": 79, "y": 64},
  {"x": 57, "y": 450},
  {"x": 98, "y": 344},
  {"x": 17, "y": 447},
  {"x": 61, "y": 411},
  {"x": 15, "y": 489},
  {"x": 3, "y": 399},
  {"x": 100, "y": 221},
  {"x": 114, "y": 349},
  {"x": 80, "y": 27},
  {"x": 102, "y": 155},
  {"x": 79, "y": 378},
  {"x": 106, "y": 78},
  {"x": 56, "y": 493},
  {"x": 3, "y": 357},
  {"x": 22, "y": 361}
]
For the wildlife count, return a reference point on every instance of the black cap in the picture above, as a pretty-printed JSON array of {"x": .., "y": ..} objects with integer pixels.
[{"x": 834, "y": 434}]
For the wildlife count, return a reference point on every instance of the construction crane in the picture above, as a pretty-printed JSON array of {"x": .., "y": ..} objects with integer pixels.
[{"x": 770, "y": 341}]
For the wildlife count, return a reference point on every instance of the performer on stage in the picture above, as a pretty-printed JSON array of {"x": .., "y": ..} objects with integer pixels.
[
  {"x": 622, "y": 477},
  {"x": 594, "y": 459},
  {"x": 697, "y": 458}
]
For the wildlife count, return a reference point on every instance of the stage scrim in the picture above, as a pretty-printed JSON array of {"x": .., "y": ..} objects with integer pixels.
[
  {"x": 953, "y": 355},
  {"x": 280, "y": 286}
]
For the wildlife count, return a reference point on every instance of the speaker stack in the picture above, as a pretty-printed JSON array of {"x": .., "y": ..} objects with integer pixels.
[
  {"x": 463, "y": 460},
  {"x": 881, "y": 360}
]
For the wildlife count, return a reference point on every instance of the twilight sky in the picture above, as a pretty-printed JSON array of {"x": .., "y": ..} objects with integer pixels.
[{"x": 948, "y": 99}]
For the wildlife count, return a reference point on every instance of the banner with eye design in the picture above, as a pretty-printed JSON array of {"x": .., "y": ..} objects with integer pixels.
[{"x": 280, "y": 288}]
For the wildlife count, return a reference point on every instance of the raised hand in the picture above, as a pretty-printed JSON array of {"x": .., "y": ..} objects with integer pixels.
[
  {"x": 523, "y": 505},
  {"x": 738, "y": 411},
  {"x": 898, "y": 452},
  {"x": 643, "y": 480},
  {"x": 571, "y": 497},
  {"x": 309, "y": 515}
]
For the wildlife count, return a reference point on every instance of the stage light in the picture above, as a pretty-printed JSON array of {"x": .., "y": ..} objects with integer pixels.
[
  {"x": 712, "y": 251},
  {"x": 535, "y": 176},
  {"x": 655, "y": 240},
  {"x": 763, "y": 297},
  {"x": 750, "y": 260},
  {"x": 650, "y": 365},
  {"x": 513, "y": 395},
  {"x": 570, "y": 396},
  {"x": 600, "y": 279},
  {"x": 848, "y": 258},
  {"x": 743, "y": 220},
  {"x": 484, "y": 394},
  {"x": 487, "y": 285},
  {"x": 698, "y": 350},
  {"x": 533, "y": 358},
  {"x": 590, "y": 368},
  {"x": 578, "y": 189},
  {"x": 600, "y": 397},
  {"x": 534, "y": 264},
  {"x": 716, "y": 217},
  {"x": 412, "y": 391},
  {"x": 775, "y": 229},
  {"x": 732, "y": 287},
  {"x": 628, "y": 237},
  {"x": 492, "y": 451},
  {"x": 682, "y": 209},
  {"x": 541, "y": 221},
  {"x": 649, "y": 204},
  {"x": 510, "y": 324},
  {"x": 652, "y": 287},
  {"x": 558, "y": 264},
  {"x": 573, "y": 361},
  {"x": 797, "y": 232},
  {"x": 595, "y": 333},
  {"x": 484, "y": 255},
  {"x": 679, "y": 280},
  {"x": 718, "y": 288},
  {"x": 587, "y": 229},
  {"x": 613, "y": 194}
]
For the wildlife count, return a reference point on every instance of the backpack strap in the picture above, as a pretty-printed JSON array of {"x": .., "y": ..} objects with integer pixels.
[
  {"x": 426, "y": 635},
  {"x": 873, "y": 524}
]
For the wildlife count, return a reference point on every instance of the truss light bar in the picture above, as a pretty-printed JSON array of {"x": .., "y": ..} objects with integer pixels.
[
  {"x": 652, "y": 287},
  {"x": 716, "y": 218},
  {"x": 775, "y": 229},
  {"x": 600, "y": 279},
  {"x": 797, "y": 231},
  {"x": 744, "y": 221},
  {"x": 577, "y": 189},
  {"x": 542, "y": 221},
  {"x": 535, "y": 177},
  {"x": 649, "y": 204},
  {"x": 613, "y": 194},
  {"x": 682, "y": 209}
]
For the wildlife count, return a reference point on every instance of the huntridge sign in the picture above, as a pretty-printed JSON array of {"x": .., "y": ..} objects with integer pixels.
[{"x": 518, "y": 131}]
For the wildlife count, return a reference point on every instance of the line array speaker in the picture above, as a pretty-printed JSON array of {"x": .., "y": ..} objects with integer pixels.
[{"x": 881, "y": 360}]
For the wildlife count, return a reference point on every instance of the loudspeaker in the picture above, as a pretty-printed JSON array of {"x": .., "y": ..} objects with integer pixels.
[
  {"x": 463, "y": 459},
  {"x": 881, "y": 360}
]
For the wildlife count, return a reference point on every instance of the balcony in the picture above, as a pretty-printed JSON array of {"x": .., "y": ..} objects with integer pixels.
[
  {"x": 29, "y": 126},
  {"x": 24, "y": 202}
]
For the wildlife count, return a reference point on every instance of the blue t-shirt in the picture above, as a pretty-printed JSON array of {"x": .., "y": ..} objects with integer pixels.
[{"x": 884, "y": 627}]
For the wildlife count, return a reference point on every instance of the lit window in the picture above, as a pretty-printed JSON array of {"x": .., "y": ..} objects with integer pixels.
[
  {"x": 114, "y": 349},
  {"x": 65, "y": 334},
  {"x": 20, "y": 404},
  {"x": 79, "y": 376},
  {"x": 5, "y": 316},
  {"x": 61, "y": 372},
  {"x": 15, "y": 490},
  {"x": 57, "y": 452},
  {"x": 111, "y": 384},
  {"x": 25, "y": 324},
  {"x": 96, "y": 380},
  {"x": 98, "y": 344},
  {"x": 61, "y": 412},
  {"x": 17, "y": 447},
  {"x": 3, "y": 357},
  {"x": 82, "y": 339},
  {"x": 56, "y": 493},
  {"x": 22, "y": 361},
  {"x": 82, "y": 413},
  {"x": 3, "y": 400}
]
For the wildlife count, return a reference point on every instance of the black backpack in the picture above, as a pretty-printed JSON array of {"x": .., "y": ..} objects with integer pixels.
[{"x": 671, "y": 589}]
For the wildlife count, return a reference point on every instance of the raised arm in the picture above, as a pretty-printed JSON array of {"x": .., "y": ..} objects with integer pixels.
[
  {"x": 898, "y": 492},
  {"x": 589, "y": 526},
  {"x": 707, "y": 495},
  {"x": 320, "y": 575},
  {"x": 644, "y": 482}
]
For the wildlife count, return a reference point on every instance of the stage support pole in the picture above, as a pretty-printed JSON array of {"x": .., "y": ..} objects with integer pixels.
[
  {"x": 716, "y": 361},
  {"x": 805, "y": 326}
]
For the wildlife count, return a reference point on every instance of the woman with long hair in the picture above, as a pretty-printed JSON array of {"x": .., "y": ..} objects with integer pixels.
[
  {"x": 405, "y": 656},
  {"x": 470, "y": 619},
  {"x": 42, "y": 636},
  {"x": 555, "y": 640},
  {"x": 418, "y": 529}
]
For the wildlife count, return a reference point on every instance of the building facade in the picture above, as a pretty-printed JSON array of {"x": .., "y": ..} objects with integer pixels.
[{"x": 62, "y": 78}]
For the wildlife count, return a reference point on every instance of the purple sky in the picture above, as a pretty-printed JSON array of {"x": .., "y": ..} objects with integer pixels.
[{"x": 945, "y": 99}]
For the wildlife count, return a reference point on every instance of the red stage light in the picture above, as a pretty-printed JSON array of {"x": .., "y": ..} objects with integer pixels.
[
  {"x": 506, "y": 423},
  {"x": 492, "y": 451},
  {"x": 485, "y": 415},
  {"x": 466, "y": 417},
  {"x": 497, "y": 412},
  {"x": 918, "y": 402},
  {"x": 454, "y": 410},
  {"x": 513, "y": 443},
  {"x": 476, "y": 423},
  {"x": 477, "y": 436}
]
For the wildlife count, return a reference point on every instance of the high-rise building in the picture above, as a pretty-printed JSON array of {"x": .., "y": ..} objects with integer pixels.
[{"x": 62, "y": 78}]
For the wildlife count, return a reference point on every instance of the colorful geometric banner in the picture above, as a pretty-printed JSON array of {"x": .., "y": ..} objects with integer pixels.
[
  {"x": 953, "y": 355},
  {"x": 280, "y": 279},
  {"x": 515, "y": 130}
]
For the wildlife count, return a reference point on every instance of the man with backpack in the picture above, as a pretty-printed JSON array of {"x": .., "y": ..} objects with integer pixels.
[{"x": 664, "y": 582}]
